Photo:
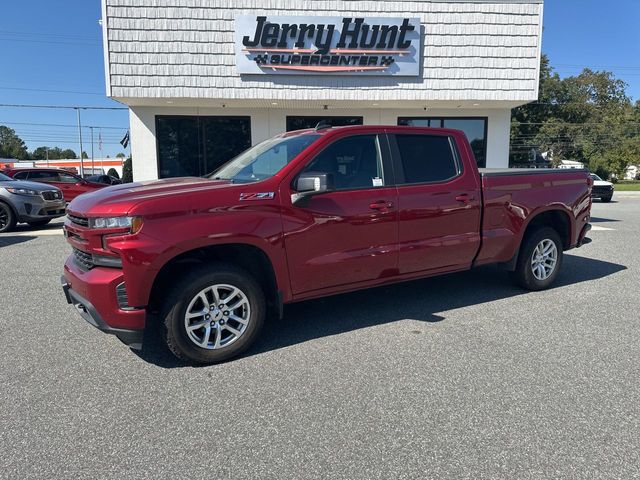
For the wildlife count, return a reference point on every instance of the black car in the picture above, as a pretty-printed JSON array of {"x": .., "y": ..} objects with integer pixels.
[{"x": 106, "y": 179}]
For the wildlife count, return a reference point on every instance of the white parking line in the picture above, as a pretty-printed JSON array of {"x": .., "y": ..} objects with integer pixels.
[
  {"x": 597, "y": 228},
  {"x": 36, "y": 233}
]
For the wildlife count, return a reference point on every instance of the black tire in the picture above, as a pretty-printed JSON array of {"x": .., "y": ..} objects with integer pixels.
[
  {"x": 7, "y": 218},
  {"x": 39, "y": 223},
  {"x": 523, "y": 274},
  {"x": 606, "y": 199},
  {"x": 186, "y": 288}
]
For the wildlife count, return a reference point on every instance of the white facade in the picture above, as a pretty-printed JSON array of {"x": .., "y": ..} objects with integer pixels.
[{"x": 176, "y": 57}]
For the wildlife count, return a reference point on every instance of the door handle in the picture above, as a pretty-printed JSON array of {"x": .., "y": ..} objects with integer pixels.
[
  {"x": 381, "y": 205},
  {"x": 464, "y": 198}
]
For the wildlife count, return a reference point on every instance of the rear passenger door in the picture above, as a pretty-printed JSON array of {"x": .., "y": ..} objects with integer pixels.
[{"x": 439, "y": 204}]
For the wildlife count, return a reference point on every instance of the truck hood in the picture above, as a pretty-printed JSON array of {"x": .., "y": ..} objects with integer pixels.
[{"x": 121, "y": 199}]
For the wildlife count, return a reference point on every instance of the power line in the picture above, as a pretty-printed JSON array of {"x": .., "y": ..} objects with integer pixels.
[
  {"x": 69, "y": 107},
  {"x": 62, "y": 125},
  {"x": 51, "y": 91}
]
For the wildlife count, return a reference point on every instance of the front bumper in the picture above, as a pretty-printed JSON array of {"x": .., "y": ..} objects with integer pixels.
[
  {"x": 33, "y": 209},
  {"x": 93, "y": 294}
]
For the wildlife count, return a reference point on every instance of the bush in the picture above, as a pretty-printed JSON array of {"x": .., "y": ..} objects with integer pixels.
[
  {"x": 127, "y": 171},
  {"x": 113, "y": 173}
]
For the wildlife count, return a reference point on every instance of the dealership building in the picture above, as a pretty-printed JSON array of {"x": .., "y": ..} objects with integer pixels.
[{"x": 205, "y": 79}]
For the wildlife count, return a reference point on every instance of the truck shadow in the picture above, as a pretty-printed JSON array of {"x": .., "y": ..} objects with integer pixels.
[
  {"x": 8, "y": 240},
  {"x": 423, "y": 300}
]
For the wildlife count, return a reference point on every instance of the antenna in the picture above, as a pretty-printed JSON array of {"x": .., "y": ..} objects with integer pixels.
[{"x": 322, "y": 124}]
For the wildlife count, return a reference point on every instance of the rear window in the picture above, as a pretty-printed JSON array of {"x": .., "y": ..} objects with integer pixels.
[{"x": 426, "y": 158}]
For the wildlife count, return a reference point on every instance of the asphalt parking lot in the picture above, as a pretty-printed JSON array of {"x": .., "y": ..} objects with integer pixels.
[{"x": 463, "y": 376}]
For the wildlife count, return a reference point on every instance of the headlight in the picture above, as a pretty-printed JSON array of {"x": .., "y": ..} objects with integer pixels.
[
  {"x": 134, "y": 224},
  {"x": 23, "y": 191}
]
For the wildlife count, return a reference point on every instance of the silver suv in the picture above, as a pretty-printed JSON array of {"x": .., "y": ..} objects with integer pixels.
[{"x": 28, "y": 202}]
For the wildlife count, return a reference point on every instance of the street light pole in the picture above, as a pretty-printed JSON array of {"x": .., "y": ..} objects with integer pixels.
[
  {"x": 80, "y": 136},
  {"x": 93, "y": 170}
]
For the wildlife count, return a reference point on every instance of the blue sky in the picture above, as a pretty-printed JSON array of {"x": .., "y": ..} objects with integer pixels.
[{"x": 57, "y": 45}]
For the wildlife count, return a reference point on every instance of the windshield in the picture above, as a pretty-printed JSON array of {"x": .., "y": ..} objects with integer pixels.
[
  {"x": 596, "y": 177},
  {"x": 4, "y": 178},
  {"x": 264, "y": 160}
]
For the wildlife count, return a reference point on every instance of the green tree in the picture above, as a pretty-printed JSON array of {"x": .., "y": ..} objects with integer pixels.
[
  {"x": 127, "y": 171},
  {"x": 84, "y": 154},
  {"x": 11, "y": 145},
  {"x": 587, "y": 117},
  {"x": 66, "y": 154},
  {"x": 113, "y": 173},
  {"x": 121, "y": 155},
  {"x": 40, "y": 153}
]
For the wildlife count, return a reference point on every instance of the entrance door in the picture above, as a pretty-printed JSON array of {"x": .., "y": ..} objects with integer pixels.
[
  {"x": 195, "y": 146},
  {"x": 349, "y": 235}
]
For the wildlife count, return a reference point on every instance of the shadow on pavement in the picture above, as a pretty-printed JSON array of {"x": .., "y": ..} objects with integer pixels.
[
  {"x": 15, "y": 239},
  {"x": 600, "y": 220},
  {"x": 422, "y": 300}
]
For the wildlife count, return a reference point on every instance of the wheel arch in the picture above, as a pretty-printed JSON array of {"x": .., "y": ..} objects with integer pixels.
[
  {"x": 244, "y": 255},
  {"x": 557, "y": 218}
]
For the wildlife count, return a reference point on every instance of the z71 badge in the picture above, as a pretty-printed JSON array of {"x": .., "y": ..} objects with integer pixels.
[{"x": 257, "y": 196}]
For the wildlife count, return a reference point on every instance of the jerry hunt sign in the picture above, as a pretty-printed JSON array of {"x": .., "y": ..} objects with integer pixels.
[{"x": 327, "y": 45}]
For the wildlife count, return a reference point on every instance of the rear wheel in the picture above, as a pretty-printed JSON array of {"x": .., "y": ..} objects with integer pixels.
[
  {"x": 39, "y": 223},
  {"x": 539, "y": 260},
  {"x": 213, "y": 313},
  {"x": 7, "y": 218}
]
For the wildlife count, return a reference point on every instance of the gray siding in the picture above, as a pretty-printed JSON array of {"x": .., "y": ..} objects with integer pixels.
[{"x": 185, "y": 49}]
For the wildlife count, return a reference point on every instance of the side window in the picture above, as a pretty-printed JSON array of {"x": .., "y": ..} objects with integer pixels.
[
  {"x": 21, "y": 175},
  {"x": 67, "y": 178},
  {"x": 355, "y": 162},
  {"x": 426, "y": 158},
  {"x": 43, "y": 176}
]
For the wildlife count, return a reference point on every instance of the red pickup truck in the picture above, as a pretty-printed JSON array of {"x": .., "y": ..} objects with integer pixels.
[{"x": 308, "y": 214}]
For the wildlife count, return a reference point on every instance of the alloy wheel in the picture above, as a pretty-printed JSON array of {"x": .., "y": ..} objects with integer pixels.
[
  {"x": 217, "y": 316},
  {"x": 544, "y": 259}
]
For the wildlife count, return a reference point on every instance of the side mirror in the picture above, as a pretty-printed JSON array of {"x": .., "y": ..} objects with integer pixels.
[{"x": 312, "y": 183}]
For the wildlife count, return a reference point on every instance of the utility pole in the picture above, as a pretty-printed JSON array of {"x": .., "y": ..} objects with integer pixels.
[
  {"x": 93, "y": 170},
  {"x": 80, "y": 136},
  {"x": 46, "y": 150}
]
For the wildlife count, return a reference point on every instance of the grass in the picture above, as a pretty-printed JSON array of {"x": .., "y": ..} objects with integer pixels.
[{"x": 627, "y": 186}]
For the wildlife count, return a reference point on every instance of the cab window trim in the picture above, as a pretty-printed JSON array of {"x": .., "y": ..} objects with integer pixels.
[
  {"x": 399, "y": 168},
  {"x": 386, "y": 161}
]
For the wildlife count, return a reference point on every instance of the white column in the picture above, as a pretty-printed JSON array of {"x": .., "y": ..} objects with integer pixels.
[
  {"x": 498, "y": 138},
  {"x": 142, "y": 127}
]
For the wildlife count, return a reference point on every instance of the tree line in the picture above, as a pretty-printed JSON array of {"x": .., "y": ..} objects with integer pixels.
[
  {"x": 587, "y": 118},
  {"x": 12, "y": 146}
]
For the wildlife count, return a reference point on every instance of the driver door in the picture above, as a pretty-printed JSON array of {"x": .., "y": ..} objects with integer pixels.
[{"x": 345, "y": 237}]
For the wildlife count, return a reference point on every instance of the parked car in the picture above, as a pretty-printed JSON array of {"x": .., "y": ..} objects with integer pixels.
[
  {"x": 28, "y": 202},
  {"x": 106, "y": 179},
  {"x": 71, "y": 184},
  {"x": 601, "y": 189},
  {"x": 308, "y": 214}
]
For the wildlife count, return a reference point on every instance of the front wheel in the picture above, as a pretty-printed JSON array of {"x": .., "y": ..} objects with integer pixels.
[
  {"x": 606, "y": 199},
  {"x": 539, "y": 260},
  {"x": 213, "y": 313},
  {"x": 7, "y": 218}
]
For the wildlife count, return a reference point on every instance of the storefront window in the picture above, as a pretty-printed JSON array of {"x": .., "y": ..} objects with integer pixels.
[
  {"x": 195, "y": 146},
  {"x": 299, "y": 123},
  {"x": 475, "y": 128}
]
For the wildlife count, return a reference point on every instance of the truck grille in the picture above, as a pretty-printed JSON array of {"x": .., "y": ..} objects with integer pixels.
[
  {"x": 82, "y": 221},
  {"x": 601, "y": 190},
  {"x": 52, "y": 195},
  {"x": 84, "y": 260}
]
